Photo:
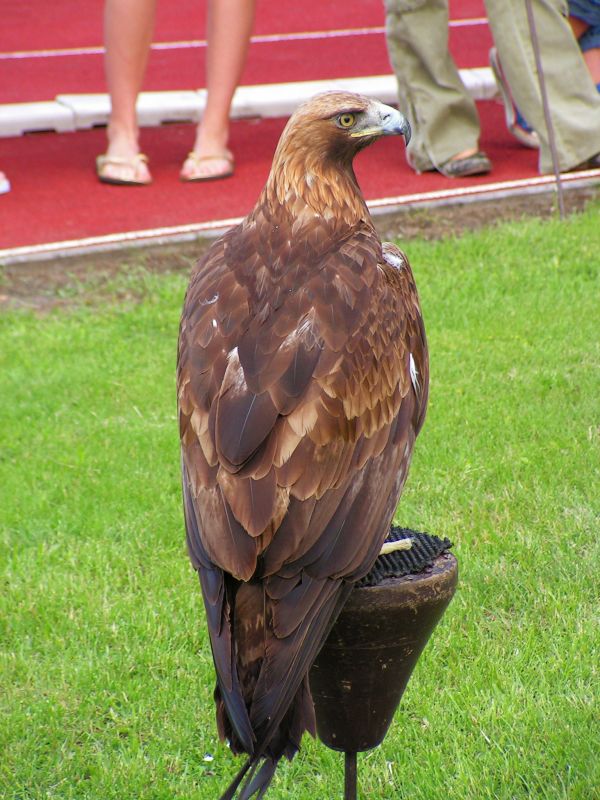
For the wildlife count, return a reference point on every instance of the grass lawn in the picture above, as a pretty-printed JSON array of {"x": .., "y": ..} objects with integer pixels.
[{"x": 105, "y": 673}]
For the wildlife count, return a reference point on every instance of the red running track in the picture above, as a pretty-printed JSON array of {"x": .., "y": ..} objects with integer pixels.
[
  {"x": 38, "y": 25},
  {"x": 34, "y": 79},
  {"x": 46, "y": 50},
  {"x": 56, "y": 197}
]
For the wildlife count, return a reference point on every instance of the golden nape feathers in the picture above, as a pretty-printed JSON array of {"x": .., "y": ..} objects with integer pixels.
[{"x": 302, "y": 384}]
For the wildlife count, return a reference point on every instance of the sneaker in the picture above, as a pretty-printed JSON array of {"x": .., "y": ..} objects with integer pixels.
[
  {"x": 590, "y": 163},
  {"x": 515, "y": 121}
]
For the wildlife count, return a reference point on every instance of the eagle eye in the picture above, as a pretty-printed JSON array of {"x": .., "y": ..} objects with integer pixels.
[{"x": 346, "y": 120}]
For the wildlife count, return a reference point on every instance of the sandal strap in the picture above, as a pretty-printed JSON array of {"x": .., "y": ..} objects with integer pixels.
[
  {"x": 198, "y": 159},
  {"x": 121, "y": 161}
]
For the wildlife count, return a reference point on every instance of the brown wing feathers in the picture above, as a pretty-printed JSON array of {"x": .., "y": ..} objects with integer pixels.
[{"x": 302, "y": 382}]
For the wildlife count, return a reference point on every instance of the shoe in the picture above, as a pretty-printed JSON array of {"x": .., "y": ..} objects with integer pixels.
[
  {"x": 198, "y": 175},
  {"x": 590, "y": 163},
  {"x": 4, "y": 184},
  {"x": 594, "y": 162},
  {"x": 127, "y": 170},
  {"x": 477, "y": 164},
  {"x": 515, "y": 122}
]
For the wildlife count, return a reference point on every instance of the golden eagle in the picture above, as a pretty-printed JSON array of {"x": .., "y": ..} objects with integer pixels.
[{"x": 302, "y": 384}]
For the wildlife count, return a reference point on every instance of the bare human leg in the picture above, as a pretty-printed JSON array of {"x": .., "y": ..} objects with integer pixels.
[
  {"x": 592, "y": 59},
  {"x": 591, "y": 56},
  {"x": 229, "y": 26},
  {"x": 128, "y": 28}
]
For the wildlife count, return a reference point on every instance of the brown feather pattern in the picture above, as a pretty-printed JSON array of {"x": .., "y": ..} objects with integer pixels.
[{"x": 302, "y": 384}]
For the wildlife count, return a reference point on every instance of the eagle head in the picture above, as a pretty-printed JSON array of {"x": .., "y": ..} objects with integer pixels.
[
  {"x": 339, "y": 124},
  {"x": 313, "y": 160}
]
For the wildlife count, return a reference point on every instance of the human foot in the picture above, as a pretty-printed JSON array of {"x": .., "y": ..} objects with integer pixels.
[
  {"x": 214, "y": 166},
  {"x": 123, "y": 171},
  {"x": 123, "y": 164}
]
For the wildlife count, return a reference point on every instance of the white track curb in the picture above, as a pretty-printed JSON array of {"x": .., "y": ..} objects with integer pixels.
[
  {"x": 70, "y": 112},
  {"x": 386, "y": 205}
]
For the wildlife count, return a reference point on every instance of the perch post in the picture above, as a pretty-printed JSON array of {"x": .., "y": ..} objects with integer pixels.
[{"x": 361, "y": 672}]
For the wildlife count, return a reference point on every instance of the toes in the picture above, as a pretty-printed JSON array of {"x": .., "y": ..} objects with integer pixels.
[
  {"x": 118, "y": 169},
  {"x": 207, "y": 167}
]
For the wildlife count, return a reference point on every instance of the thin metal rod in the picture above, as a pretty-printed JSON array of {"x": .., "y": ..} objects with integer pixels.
[
  {"x": 350, "y": 776},
  {"x": 546, "y": 106}
]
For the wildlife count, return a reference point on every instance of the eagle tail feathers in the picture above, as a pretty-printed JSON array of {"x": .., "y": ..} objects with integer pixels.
[
  {"x": 281, "y": 713},
  {"x": 258, "y": 783},
  {"x": 231, "y": 790},
  {"x": 289, "y": 700}
]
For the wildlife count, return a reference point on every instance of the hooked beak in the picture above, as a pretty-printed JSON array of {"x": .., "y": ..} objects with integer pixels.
[
  {"x": 390, "y": 122},
  {"x": 395, "y": 124}
]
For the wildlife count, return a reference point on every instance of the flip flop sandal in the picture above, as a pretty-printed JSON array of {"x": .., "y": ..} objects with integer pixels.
[
  {"x": 105, "y": 163},
  {"x": 197, "y": 160}
]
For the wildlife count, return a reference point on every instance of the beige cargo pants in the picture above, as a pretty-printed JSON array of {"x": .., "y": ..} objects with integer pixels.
[
  {"x": 572, "y": 96},
  {"x": 430, "y": 92},
  {"x": 441, "y": 112}
]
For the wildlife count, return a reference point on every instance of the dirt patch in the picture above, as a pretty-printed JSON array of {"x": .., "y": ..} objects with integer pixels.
[
  {"x": 88, "y": 280},
  {"x": 95, "y": 278},
  {"x": 442, "y": 222}
]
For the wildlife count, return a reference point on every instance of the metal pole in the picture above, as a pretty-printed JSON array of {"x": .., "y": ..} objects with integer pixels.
[
  {"x": 545, "y": 105},
  {"x": 350, "y": 776}
]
